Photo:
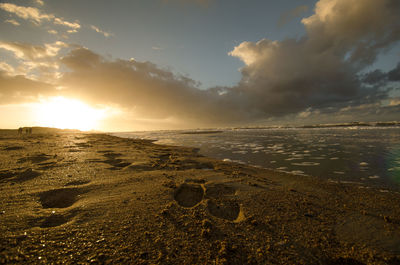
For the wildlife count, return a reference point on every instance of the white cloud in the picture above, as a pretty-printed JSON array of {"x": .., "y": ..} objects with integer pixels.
[
  {"x": 74, "y": 25},
  {"x": 36, "y": 62},
  {"x": 36, "y": 16},
  {"x": 156, "y": 48},
  {"x": 98, "y": 30},
  {"x": 13, "y": 22},
  {"x": 28, "y": 13},
  {"x": 31, "y": 52},
  {"x": 52, "y": 31},
  {"x": 39, "y": 2},
  {"x": 7, "y": 68}
]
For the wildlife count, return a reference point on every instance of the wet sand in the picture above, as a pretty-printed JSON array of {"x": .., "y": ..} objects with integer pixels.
[{"x": 79, "y": 198}]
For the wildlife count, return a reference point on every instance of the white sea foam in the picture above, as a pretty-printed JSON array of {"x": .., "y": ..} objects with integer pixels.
[
  {"x": 293, "y": 158},
  {"x": 243, "y": 152},
  {"x": 297, "y": 172},
  {"x": 306, "y": 164},
  {"x": 338, "y": 172}
]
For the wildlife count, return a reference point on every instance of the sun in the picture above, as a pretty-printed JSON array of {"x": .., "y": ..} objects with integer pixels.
[{"x": 65, "y": 113}]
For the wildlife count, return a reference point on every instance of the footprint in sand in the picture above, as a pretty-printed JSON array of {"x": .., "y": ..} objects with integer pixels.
[
  {"x": 77, "y": 182},
  {"x": 60, "y": 198},
  {"x": 6, "y": 174},
  {"x": 226, "y": 209},
  {"x": 115, "y": 162},
  {"x": 220, "y": 199},
  {"x": 112, "y": 155},
  {"x": 27, "y": 175},
  {"x": 47, "y": 165},
  {"x": 54, "y": 220},
  {"x": 12, "y": 148},
  {"x": 38, "y": 158},
  {"x": 83, "y": 145},
  {"x": 19, "y": 176},
  {"x": 189, "y": 195},
  {"x": 221, "y": 202}
]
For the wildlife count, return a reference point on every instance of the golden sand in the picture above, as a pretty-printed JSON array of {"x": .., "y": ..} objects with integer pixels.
[{"x": 93, "y": 198}]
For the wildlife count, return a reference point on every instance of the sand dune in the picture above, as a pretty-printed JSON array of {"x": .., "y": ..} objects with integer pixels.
[{"x": 93, "y": 198}]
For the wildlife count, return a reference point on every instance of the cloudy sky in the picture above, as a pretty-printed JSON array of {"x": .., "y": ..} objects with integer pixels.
[{"x": 172, "y": 64}]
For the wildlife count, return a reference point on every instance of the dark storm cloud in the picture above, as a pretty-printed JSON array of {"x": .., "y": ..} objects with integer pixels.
[
  {"x": 394, "y": 75},
  {"x": 321, "y": 69},
  {"x": 141, "y": 87},
  {"x": 379, "y": 77}
]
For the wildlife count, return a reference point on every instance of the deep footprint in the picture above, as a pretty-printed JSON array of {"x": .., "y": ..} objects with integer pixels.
[
  {"x": 54, "y": 220},
  {"x": 77, "y": 182},
  {"x": 36, "y": 159},
  {"x": 59, "y": 198},
  {"x": 228, "y": 210},
  {"x": 188, "y": 195},
  {"x": 27, "y": 175}
]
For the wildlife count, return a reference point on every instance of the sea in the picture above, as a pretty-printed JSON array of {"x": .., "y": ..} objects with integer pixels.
[{"x": 364, "y": 156}]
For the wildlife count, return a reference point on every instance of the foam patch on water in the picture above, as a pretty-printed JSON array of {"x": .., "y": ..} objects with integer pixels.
[
  {"x": 240, "y": 152},
  {"x": 293, "y": 158},
  {"x": 306, "y": 164},
  {"x": 297, "y": 172}
]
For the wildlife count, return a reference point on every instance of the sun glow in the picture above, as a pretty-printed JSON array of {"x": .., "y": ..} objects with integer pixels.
[{"x": 67, "y": 113}]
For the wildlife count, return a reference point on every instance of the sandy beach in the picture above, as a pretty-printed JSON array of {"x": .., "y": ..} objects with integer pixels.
[{"x": 77, "y": 198}]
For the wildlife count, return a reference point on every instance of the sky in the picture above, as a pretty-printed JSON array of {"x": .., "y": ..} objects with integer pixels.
[{"x": 178, "y": 64}]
